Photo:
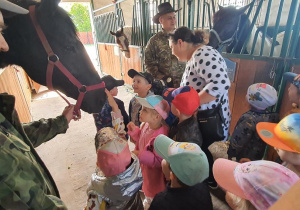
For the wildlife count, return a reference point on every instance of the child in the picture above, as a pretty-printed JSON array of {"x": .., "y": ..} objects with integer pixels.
[
  {"x": 260, "y": 182},
  {"x": 154, "y": 110},
  {"x": 184, "y": 103},
  {"x": 103, "y": 118},
  {"x": 294, "y": 90},
  {"x": 245, "y": 142},
  {"x": 118, "y": 182},
  {"x": 285, "y": 138},
  {"x": 142, "y": 84},
  {"x": 294, "y": 98},
  {"x": 186, "y": 165}
]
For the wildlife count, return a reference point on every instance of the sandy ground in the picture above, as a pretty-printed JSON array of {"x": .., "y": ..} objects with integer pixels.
[{"x": 71, "y": 157}]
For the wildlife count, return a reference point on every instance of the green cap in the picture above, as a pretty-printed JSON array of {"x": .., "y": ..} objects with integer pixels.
[{"x": 187, "y": 161}]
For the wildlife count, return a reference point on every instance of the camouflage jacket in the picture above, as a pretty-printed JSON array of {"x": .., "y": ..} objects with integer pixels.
[
  {"x": 159, "y": 60},
  {"x": 25, "y": 182},
  {"x": 245, "y": 142}
]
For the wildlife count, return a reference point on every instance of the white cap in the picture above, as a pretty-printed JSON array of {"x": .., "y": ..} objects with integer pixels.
[
  {"x": 6, "y": 5},
  {"x": 261, "y": 96}
]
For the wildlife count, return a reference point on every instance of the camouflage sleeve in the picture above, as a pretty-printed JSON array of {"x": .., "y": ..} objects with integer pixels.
[
  {"x": 15, "y": 202},
  {"x": 243, "y": 133},
  {"x": 158, "y": 58},
  {"x": 151, "y": 62},
  {"x": 45, "y": 129},
  {"x": 21, "y": 182}
]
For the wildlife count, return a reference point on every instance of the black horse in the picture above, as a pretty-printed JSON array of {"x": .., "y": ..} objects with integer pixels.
[
  {"x": 26, "y": 50},
  {"x": 227, "y": 24},
  {"x": 231, "y": 27}
]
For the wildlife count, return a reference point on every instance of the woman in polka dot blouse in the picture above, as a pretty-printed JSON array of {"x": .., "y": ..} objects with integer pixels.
[{"x": 205, "y": 71}]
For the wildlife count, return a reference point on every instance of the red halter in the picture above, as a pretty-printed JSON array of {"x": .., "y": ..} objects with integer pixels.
[{"x": 53, "y": 60}]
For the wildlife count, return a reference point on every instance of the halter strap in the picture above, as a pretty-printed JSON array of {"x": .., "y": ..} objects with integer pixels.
[
  {"x": 222, "y": 43},
  {"x": 53, "y": 60}
]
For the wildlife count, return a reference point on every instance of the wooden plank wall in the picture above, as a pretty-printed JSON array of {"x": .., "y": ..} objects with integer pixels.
[
  {"x": 13, "y": 81},
  {"x": 111, "y": 61},
  {"x": 134, "y": 62}
]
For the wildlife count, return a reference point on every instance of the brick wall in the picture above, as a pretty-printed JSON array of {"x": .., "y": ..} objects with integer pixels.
[{"x": 84, "y": 38}]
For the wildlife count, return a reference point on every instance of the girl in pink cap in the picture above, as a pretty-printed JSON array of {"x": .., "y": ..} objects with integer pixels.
[
  {"x": 154, "y": 111},
  {"x": 253, "y": 185}
]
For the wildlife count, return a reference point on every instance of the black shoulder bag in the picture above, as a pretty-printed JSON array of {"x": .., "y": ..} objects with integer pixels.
[{"x": 210, "y": 123}]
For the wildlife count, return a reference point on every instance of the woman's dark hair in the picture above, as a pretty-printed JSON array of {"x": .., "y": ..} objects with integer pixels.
[{"x": 187, "y": 35}]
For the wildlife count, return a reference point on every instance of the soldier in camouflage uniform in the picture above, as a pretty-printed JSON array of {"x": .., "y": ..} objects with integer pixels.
[
  {"x": 25, "y": 182},
  {"x": 159, "y": 60}
]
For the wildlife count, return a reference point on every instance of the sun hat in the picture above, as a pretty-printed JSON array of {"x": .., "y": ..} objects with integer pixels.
[
  {"x": 187, "y": 161},
  {"x": 155, "y": 102},
  {"x": 284, "y": 135},
  {"x": 261, "y": 182},
  {"x": 163, "y": 8},
  {"x": 146, "y": 75},
  {"x": 261, "y": 96},
  {"x": 9, "y": 6},
  {"x": 111, "y": 82},
  {"x": 292, "y": 78},
  {"x": 113, "y": 154},
  {"x": 185, "y": 99}
]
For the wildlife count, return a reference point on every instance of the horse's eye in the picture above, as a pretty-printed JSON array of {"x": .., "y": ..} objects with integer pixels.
[{"x": 69, "y": 48}]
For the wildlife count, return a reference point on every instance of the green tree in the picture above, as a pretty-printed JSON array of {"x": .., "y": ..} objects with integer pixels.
[{"x": 80, "y": 17}]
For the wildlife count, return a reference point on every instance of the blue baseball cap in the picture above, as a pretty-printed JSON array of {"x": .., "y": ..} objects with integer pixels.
[{"x": 292, "y": 78}]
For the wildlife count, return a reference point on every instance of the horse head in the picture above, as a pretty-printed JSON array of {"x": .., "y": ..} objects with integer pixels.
[
  {"x": 226, "y": 24},
  {"x": 26, "y": 50},
  {"x": 122, "y": 41}
]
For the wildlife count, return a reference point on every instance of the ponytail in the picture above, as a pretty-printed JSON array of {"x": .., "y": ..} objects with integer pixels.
[{"x": 187, "y": 35}]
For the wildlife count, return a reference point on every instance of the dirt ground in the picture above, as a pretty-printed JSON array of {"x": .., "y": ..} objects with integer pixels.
[{"x": 71, "y": 157}]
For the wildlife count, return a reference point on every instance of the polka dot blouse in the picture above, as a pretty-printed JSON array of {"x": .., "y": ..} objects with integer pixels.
[{"x": 206, "y": 70}]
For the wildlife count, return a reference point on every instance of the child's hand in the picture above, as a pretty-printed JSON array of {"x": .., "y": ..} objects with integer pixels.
[
  {"x": 111, "y": 101},
  {"x": 131, "y": 126},
  {"x": 136, "y": 152}
]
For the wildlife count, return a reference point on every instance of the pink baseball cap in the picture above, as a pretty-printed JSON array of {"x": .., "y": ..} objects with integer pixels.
[
  {"x": 113, "y": 154},
  {"x": 156, "y": 102},
  {"x": 261, "y": 182}
]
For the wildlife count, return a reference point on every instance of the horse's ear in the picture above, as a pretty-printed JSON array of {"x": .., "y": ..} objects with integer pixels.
[
  {"x": 121, "y": 29},
  {"x": 112, "y": 33},
  {"x": 49, "y": 5},
  {"x": 243, "y": 9},
  {"x": 220, "y": 7}
]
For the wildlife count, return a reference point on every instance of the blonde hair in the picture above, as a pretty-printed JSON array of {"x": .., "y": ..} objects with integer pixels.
[
  {"x": 155, "y": 113},
  {"x": 238, "y": 203}
]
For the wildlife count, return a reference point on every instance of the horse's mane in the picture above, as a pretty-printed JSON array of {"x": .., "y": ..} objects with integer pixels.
[
  {"x": 59, "y": 13},
  {"x": 222, "y": 14}
]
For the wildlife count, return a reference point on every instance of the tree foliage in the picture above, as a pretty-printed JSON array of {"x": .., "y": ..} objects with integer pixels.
[{"x": 80, "y": 17}]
